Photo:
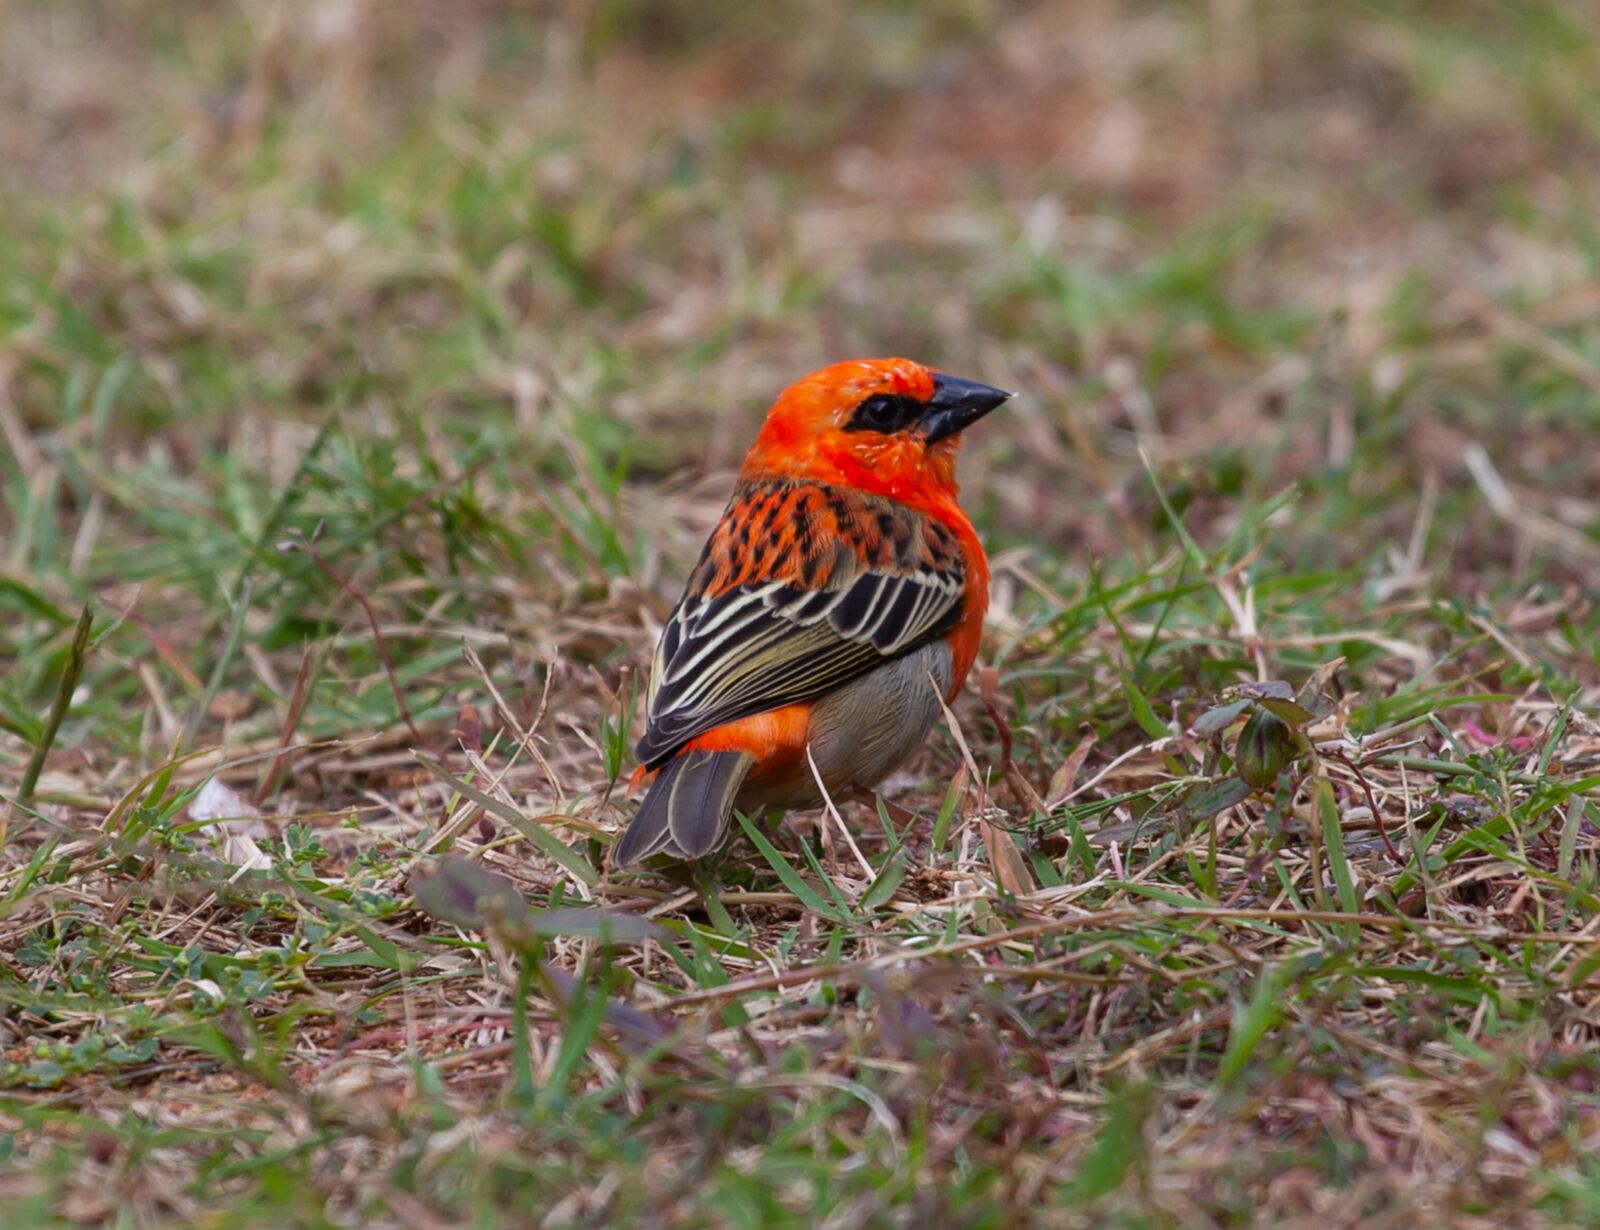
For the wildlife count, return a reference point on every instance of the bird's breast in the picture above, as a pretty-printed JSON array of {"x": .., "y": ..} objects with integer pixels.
[{"x": 862, "y": 732}]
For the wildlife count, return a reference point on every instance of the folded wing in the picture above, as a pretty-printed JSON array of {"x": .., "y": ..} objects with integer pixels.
[{"x": 835, "y": 584}]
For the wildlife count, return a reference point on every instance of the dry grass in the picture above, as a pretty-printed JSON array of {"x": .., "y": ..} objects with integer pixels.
[{"x": 371, "y": 374}]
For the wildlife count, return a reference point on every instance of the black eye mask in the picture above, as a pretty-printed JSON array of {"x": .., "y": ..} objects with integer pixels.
[{"x": 885, "y": 412}]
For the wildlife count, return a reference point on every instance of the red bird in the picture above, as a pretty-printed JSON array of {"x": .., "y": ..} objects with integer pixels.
[{"x": 842, "y": 580}]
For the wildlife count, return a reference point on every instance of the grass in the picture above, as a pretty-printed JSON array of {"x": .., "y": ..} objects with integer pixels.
[{"x": 370, "y": 377}]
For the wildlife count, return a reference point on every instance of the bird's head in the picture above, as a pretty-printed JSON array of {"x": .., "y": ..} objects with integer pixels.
[{"x": 885, "y": 425}]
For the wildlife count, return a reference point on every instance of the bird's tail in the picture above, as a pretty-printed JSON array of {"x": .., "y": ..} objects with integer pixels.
[{"x": 687, "y": 811}]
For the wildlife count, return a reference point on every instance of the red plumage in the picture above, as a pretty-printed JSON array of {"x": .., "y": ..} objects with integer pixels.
[{"x": 842, "y": 584}]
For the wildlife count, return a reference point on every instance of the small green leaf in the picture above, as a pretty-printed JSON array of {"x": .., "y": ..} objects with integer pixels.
[
  {"x": 788, "y": 875},
  {"x": 578, "y": 923},
  {"x": 1567, "y": 850},
  {"x": 1266, "y": 689},
  {"x": 1212, "y": 800},
  {"x": 1264, "y": 749},
  {"x": 1078, "y": 843},
  {"x": 1152, "y": 726},
  {"x": 881, "y": 891},
  {"x": 63, "y": 701},
  {"x": 1118, "y": 1145},
  {"x": 546, "y": 842},
  {"x": 947, "y": 811},
  {"x": 1215, "y": 721},
  {"x": 1290, "y": 711},
  {"x": 585, "y": 1011},
  {"x": 1252, "y": 1021},
  {"x": 1333, "y": 844},
  {"x": 715, "y": 910},
  {"x": 461, "y": 892}
]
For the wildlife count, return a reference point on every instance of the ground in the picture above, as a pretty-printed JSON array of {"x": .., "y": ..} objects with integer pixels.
[{"x": 370, "y": 374}]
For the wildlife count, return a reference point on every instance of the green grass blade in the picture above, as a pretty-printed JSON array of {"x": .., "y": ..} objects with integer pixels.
[
  {"x": 59, "y": 707},
  {"x": 789, "y": 877}
]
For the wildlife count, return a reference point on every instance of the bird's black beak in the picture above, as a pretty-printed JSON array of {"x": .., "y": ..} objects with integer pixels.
[{"x": 957, "y": 404}]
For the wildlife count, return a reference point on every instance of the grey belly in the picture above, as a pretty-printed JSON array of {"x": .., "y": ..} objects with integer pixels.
[{"x": 863, "y": 731}]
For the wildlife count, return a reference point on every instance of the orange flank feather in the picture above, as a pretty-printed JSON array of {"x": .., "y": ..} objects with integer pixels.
[
  {"x": 842, "y": 576},
  {"x": 776, "y": 739}
]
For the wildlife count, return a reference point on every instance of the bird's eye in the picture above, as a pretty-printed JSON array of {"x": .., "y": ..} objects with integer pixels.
[{"x": 883, "y": 412}]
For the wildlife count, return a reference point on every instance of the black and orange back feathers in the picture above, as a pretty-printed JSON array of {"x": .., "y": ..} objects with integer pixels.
[{"x": 801, "y": 587}]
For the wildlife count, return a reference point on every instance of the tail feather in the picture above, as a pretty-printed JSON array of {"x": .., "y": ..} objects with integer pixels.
[{"x": 686, "y": 813}]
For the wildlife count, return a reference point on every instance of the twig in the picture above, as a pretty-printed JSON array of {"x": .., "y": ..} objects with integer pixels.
[
  {"x": 241, "y": 604},
  {"x": 291, "y": 721},
  {"x": 833, "y": 813},
  {"x": 1027, "y": 796},
  {"x": 299, "y": 542},
  {"x": 797, "y": 975},
  {"x": 1372, "y": 804}
]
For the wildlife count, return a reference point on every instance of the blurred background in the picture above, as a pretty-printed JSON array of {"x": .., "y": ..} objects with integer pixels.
[{"x": 1333, "y": 242}]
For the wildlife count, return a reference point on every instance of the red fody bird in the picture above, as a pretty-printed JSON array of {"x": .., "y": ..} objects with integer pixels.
[{"x": 841, "y": 586}]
